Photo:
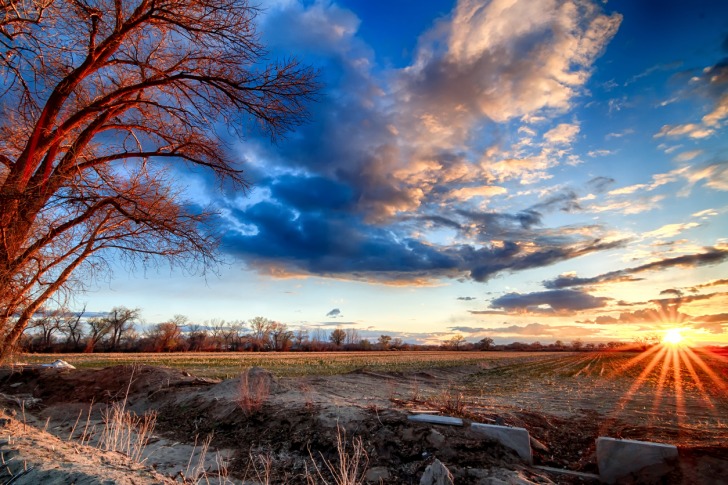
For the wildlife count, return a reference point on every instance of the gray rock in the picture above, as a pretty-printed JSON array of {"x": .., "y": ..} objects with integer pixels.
[
  {"x": 435, "y": 438},
  {"x": 516, "y": 439},
  {"x": 619, "y": 458},
  {"x": 437, "y": 474},
  {"x": 433, "y": 419},
  {"x": 377, "y": 474}
]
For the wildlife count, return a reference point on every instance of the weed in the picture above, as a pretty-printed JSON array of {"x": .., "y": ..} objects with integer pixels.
[
  {"x": 350, "y": 467},
  {"x": 253, "y": 391}
]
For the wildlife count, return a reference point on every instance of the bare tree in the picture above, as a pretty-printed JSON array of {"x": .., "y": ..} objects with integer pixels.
[
  {"x": 99, "y": 328},
  {"x": 260, "y": 332},
  {"x": 281, "y": 338},
  {"x": 352, "y": 336},
  {"x": 120, "y": 321},
  {"x": 72, "y": 328},
  {"x": 101, "y": 102},
  {"x": 46, "y": 323}
]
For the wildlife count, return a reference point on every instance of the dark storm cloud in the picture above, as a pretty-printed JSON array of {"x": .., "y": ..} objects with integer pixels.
[
  {"x": 335, "y": 313},
  {"x": 511, "y": 257},
  {"x": 566, "y": 301},
  {"x": 712, "y": 256},
  {"x": 346, "y": 194},
  {"x": 307, "y": 227}
]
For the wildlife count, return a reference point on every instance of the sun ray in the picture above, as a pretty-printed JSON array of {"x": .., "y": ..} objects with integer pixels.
[
  {"x": 641, "y": 379},
  {"x": 657, "y": 401},
  {"x": 635, "y": 360},
  {"x": 677, "y": 377},
  {"x": 696, "y": 380},
  {"x": 708, "y": 371}
]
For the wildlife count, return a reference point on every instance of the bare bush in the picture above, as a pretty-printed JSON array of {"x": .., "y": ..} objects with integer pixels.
[
  {"x": 126, "y": 432},
  {"x": 253, "y": 391}
]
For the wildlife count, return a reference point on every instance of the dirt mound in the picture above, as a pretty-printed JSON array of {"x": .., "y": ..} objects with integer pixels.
[
  {"x": 299, "y": 421},
  {"x": 54, "y": 385}
]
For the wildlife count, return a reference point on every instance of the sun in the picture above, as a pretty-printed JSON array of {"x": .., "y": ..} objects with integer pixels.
[{"x": 673, "y": 337}]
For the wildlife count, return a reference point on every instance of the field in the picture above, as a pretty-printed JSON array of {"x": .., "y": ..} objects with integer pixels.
[
  {"x": 281, "y": 364},
  {"x": 565, "y": 400}
]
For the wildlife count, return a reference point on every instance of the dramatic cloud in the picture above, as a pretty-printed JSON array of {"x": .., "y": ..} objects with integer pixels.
[
  {"x": 553, "y": 301},
  {"x": 713, "y": 256},
  {"x": 343, "y": 195}
]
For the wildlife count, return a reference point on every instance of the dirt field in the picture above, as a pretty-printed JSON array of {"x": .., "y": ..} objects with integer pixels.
[{"x": 564, "y": 400}]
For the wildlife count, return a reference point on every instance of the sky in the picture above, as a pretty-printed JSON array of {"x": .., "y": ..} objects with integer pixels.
[{"x": 525, "y": 171}]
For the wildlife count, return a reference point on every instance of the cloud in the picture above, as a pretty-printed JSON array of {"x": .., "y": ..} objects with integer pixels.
[
  {"x": 711, "y": 256},
  {"x": 720, "y": 282},
  {"x": 334, "y": 313},
  {"x": 711, "y": 83},
  {"x": 551, "y": 301},
  {"x": 364, "y": 191},
  {"x": 466, "y": 298},
  {"x": 715, "y": 324},
  {"x": 715, "y": 176},
  {"x": 531, "y": 329},
  {"x": 600, "y": 184},
  {"x": 670, "y": 230}
]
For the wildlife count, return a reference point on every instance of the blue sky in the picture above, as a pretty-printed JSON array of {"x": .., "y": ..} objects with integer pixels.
[{"x": 522, "y": 170}]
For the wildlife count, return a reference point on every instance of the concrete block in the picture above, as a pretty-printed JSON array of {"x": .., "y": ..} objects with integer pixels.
[
  {"x": 430, "y": 418},
  {"x": 619, "y": 458},
  {"x": 516, "y": 439}
]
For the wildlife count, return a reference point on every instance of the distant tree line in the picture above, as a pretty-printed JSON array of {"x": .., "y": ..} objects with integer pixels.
[{"x": 122, "y": 330}]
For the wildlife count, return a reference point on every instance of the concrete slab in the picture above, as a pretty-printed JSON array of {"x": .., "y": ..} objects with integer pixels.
[
  {"x": 516, "y": 439},
  {"x": 429, "y": 418},
  {"x": 619, "y": 458}
]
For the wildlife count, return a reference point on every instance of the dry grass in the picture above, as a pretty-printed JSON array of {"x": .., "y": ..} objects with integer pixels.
[
  {"x": 125, "y": 432},
  {"x": 253, "y": 391},
  {"x": 350, "y": 466}
]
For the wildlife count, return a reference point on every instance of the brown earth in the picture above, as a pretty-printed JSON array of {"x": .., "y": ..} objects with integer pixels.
[{"x": 294, "y": 433}]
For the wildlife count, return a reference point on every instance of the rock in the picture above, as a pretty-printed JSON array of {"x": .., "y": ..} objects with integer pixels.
[
  {"x": 58, "y": 364},
  {"x": 377, "y": 474},
  {"x": 516, "y": 439},
  {"x": 437, "y": 474},
  {"x": 433, "y": 419},
  {"x": 435, "y": 438},
  {"x": 618, "y": 459},
  {"x": 537, "y": 445}
]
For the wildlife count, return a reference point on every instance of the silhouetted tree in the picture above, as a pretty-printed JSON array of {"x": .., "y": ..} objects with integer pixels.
[
  {"x": 337, "y": 336},
  {"x": 486, "y": 343}
]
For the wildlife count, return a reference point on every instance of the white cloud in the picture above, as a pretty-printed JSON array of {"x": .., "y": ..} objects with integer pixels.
[
  {"x": 670, "y": 230},
  {"x": 562, "y": 134}
]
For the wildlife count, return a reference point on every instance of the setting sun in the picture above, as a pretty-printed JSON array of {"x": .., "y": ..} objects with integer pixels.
[{"x": 673, "y": 337}]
